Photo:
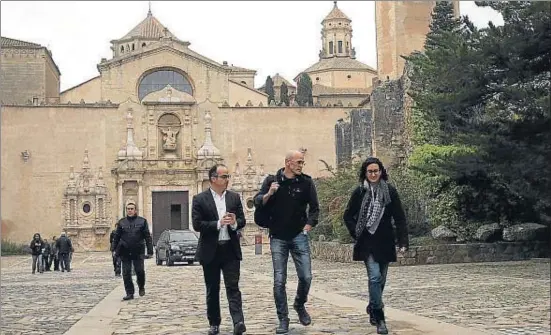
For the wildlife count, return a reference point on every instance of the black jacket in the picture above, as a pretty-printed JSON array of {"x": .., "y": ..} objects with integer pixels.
[
  {"x": 64, "y": 245},
  {"x": 287, "y": 207},
  {"x": 36, "y": 247},
  {"x": 204, "y": 217},
  {"x": 132, "y": 237},
  {"x": 47, "y": 249},
  {"x": 381, "y": 244}
]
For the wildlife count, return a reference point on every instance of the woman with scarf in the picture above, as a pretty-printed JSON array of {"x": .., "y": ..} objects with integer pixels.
[{"x": 368, "y": 217}]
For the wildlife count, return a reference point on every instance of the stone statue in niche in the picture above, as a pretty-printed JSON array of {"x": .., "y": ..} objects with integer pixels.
[{"x": 169, "y": 138}]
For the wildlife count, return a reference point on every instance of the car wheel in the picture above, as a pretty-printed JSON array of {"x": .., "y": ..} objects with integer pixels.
[
  {"x": 157, "y": 260},
  {"x": 168, "y": 261},
  {"x": 190, "y": 262}
]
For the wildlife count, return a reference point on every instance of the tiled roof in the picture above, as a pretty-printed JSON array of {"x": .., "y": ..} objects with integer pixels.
[
  {"x": 6, "y": 42},
  {"x": 336, "y": 13},
  {"x": 278, "y": 80},
  {"x": 326, "y": 90},
  {"x": 150, "y": 27},
  {"x": 339, "y": 63}
]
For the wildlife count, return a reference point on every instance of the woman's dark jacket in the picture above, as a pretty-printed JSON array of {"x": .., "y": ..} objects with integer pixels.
[
  {"x": 36, "y": 247},
  {"x": 381, "y": 244}
]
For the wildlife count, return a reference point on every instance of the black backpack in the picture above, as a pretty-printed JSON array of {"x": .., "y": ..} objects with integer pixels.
[{"x": 263, "y": 213}]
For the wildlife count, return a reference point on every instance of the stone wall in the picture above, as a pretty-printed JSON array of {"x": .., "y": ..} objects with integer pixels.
[
  {"x": 22, "y": 76},
  {"x": 379, "y": 130},
  {"x": 444, "y": 253},
  {"x": 41, "y": 143},
  {"x": 387, "y": 103},
  {"x": 353, "y": 136}
]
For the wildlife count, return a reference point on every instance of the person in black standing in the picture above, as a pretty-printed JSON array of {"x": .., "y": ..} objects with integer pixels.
[
  {"x": 54, "y": 255},
  {"x": 368, "y": 218},
  {"x": 116, "y": 258},
  {"x": 46, "y": 251},
  {"x": 36, "y": 250},
  {"x": 217, "y": 214},
  {"x": 131, "y": 238},
  {"x": 64, "y": 247}
]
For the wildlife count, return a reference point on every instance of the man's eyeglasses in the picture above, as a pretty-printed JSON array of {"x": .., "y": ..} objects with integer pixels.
[
  {"x": 373, "y": 171},
  {"x": 224, "y": 176}
]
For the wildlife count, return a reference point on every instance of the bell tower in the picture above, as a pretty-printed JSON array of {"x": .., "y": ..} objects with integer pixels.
[
  {"x": 401, "y": 28},
  {"x": 336, "y": 35}
]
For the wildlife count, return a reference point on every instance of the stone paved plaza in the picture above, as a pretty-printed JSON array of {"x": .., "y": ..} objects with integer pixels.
[{"x": 483, "y": 298}]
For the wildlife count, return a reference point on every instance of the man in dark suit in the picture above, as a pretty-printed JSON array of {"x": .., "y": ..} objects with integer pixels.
[
  {"x": 217, "y": 214},
  {"x": 131, "y": 238}
]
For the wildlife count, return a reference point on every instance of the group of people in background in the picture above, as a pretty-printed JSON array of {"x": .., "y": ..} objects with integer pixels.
[{"x": 59, "y": 252}]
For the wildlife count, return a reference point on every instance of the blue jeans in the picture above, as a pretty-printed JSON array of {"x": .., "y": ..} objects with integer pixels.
[
  {"x": 376, "y": 273},
  {"x": 299, "y": 248}
]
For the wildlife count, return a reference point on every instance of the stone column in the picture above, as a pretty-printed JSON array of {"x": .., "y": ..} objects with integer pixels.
[
  {"x": 121, "y": 204},
  {"x": 141, "y": 206}
]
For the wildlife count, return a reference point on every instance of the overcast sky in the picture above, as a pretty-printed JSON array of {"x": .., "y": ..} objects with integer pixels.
[{"x": 266, "y": 36}]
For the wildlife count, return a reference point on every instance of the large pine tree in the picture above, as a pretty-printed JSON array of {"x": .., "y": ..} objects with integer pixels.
[{"x": 487, "y": 91}]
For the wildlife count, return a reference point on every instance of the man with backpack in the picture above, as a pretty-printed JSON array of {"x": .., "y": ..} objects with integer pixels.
[{"x": 288, "y": 205}]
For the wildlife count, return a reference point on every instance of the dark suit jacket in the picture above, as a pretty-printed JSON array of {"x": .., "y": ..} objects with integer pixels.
[{"x": 204, "y": 217}]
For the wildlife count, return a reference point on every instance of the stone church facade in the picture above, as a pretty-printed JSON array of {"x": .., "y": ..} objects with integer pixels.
[{"x": 146, "y": 129}]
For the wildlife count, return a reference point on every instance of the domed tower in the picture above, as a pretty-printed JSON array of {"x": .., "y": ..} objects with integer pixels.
[
  {"x": 336, "y": 35},
  {"x": 338, "y": 78}
]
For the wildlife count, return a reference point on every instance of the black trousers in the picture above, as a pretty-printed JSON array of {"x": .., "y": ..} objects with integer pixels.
[
  {"x": 225, "y": 261},
  {"x": 47, "y": 262},
  {"x": 64, "y": 262},
  {"x": 127, "y": 273},
  {"x": 56, "y": 262}
]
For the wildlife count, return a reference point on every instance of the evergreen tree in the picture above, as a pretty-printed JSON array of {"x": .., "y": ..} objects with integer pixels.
[
  {"x": 439, "y": 74},
  {"x": 517, "y": 124},
  {"x": 304, "y": 90},
  {"x": 284, "y": 94},
  {"x": 269, "y": 89},
  {"x": 482, "y": 101},
  {"x": 442, "y": 20}
]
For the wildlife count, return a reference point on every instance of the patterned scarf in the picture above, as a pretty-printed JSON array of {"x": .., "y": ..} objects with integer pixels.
[{"x": 374, "y": 201}]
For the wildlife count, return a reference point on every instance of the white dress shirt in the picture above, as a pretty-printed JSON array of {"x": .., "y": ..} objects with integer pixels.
[{"x": 220, "y": 201}]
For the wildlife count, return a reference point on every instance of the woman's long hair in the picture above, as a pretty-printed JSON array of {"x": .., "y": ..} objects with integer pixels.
[{"x": 366, "y": 163}]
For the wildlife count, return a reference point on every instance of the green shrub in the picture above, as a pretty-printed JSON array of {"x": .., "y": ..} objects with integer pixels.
[
  {"x": 333, "y": 195},
  {"x": 413, "y": 196},
  {"x": 14, "y": 248}
]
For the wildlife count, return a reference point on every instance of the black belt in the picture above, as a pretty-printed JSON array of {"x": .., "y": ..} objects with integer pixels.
[{"x": 225, "y": 242}]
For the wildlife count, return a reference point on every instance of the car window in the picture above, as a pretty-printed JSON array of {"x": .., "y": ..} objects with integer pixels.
[{"x": 183, "y": 236}]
